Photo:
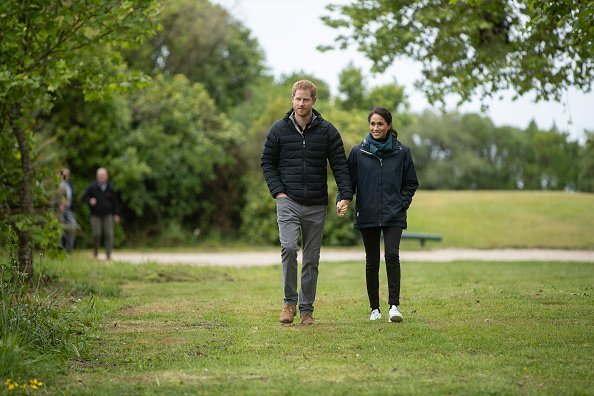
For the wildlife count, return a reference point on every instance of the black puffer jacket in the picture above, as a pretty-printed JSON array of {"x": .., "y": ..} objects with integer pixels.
[
  {"x": 295, "y": 163},
  {"x": 384, "y": 187},
  {"x": 108, "y": 202}
]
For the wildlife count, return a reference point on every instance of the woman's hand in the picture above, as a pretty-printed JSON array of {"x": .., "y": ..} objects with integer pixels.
[{"x": 342, "y": 207}]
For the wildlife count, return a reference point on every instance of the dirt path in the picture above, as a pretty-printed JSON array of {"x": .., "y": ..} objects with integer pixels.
[{"x": 244, "y": 259}]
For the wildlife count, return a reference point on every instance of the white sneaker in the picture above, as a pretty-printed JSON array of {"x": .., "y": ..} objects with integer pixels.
[
  {"x": 394, "y": 315},
  {"x": 375, "y": 315}
]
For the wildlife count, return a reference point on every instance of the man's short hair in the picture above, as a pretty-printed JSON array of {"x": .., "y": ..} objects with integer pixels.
[{"x": 305, "y": 85}]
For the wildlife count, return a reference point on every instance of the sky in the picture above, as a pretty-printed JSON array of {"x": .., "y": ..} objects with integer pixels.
[{"x": 290, "y": 30}]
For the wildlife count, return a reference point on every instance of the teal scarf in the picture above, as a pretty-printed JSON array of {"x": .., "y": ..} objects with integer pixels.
[{"x": 378, "y": 147}]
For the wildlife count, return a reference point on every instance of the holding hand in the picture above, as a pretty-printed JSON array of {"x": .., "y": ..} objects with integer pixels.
[{"x": 342, "y": 207}]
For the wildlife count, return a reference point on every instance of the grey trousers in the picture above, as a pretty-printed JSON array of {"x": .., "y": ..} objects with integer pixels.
[
  {"x": 102, "y": 225},
  {"x": 293, "y": 217},
  {"x": 69, "y": 234}
]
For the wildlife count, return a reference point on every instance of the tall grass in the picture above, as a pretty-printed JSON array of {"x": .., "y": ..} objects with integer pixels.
[{"x": 40, "y": 327}]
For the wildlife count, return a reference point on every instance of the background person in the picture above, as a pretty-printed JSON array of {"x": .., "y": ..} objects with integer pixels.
[
  {"x": 384, "y": 182},
  {"x": 294, "y": 161},
  {"x": 104, "y": 205},
  {"x": 68, "y": 217}
]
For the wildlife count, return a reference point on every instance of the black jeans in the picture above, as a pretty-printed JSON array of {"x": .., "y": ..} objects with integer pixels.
[{"x": 371, "y": 239}]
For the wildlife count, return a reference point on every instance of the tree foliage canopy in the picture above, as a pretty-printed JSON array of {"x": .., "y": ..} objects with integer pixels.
[
  {"x": 454, "y": 151},
  {"x": 474, "y": 47},
  {"x": 44, "y": 46},
  {"x": 206, "y": 44}
]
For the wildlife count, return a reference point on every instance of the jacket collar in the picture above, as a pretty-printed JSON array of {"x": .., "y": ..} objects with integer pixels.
[
  {"x": 396, "y": 145},
  {"x": 317, "y": 117}
]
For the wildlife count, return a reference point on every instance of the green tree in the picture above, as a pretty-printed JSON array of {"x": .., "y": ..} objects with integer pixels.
[
  {"x": 206, "y": 44},
  {"x": 473, "y": 47},
  {"x": 44, "y": 45},
  {"x": 83, "y": 136},
  {"x": 550, "y": 160},
  {"x": 586, "y": 175},
  {"x": 392, "y": 97},
  {"x": 179, "y": 163},
  {"x": 352, "y": 89},
  {"x": 453, "y": 151},
  {"x": 356, "y": 96}
]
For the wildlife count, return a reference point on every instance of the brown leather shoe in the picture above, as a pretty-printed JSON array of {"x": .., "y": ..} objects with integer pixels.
[
  {"x": 288, "y": 313},
  {"x": 307, "y": 319}
]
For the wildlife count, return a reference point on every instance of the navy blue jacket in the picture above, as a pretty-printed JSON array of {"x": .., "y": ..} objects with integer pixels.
[
  {"x": 296, "y": 163},
  {"x": 384, "y": 187}
]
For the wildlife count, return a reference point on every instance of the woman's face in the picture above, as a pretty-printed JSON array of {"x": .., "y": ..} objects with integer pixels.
[{"x": 378, "y": 127}]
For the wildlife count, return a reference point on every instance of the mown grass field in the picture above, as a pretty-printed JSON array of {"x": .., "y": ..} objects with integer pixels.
[
  {"x": 469, "y": 328},
  {"x": 511, "y": 219}
]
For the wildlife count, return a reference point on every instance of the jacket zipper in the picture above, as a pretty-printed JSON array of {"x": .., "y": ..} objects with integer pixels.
[
  {"x": 381, "y": 183},
  {"x": 304, "y": 173},
  {"x": 302, "y": 133}
]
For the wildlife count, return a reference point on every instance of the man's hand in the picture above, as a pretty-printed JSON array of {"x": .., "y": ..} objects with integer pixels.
[
  {"x": 280, "y": 195},
  {"x": 341, "y": 207},
  {"x": 93, "y": 201},
  {"x": 117, "y": 219}
]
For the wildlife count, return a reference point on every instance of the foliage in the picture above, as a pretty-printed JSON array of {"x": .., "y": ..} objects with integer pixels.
[
  {"x": 39, "y": 330},
  {"x": 355, "y": 95},
  {"x": 83, "y": 136},
  {"x": 206, "y": 44},
  {"x": 179, "y": 159},
  {"x": 41, "y": 225},
  {"x": 586, "y": 173},
  {"x": 476, "y": 48},
  {"x": 44, "y": 45},
  {"x": 453, "y": 151},
  {"x": 339, "y": 231},
  {"x": 351, "y": 89},
  {"x": 258, "y": 218},
  {"x": 549, "y": 161}
]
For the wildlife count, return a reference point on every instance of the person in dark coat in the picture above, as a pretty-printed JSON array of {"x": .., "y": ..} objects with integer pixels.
[
  {"x": 294, "y": 162},
  {"x": 384, "y": 183},
  {"x": 104, "y": 205}
]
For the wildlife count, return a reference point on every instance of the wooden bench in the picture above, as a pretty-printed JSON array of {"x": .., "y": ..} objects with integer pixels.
[{"x": 421, "y": 236}]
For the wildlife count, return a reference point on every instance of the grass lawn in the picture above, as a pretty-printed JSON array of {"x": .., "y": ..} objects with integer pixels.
[
  {"x": 469, "y": 328},
  {"x": 512, "y": 219}
]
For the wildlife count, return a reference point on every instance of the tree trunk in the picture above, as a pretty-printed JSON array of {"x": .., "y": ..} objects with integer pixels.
[{"x": 26, "y": 195}]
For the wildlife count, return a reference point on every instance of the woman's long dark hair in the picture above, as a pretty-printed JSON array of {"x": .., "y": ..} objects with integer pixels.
[{"x": 386, "y": 115}]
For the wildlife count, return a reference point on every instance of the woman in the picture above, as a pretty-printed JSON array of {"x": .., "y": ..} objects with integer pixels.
[{"x": 384, "y": 180}]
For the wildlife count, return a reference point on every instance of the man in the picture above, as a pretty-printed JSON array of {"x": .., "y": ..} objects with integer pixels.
[
  {"x": 294, "y": 160},
  {"x": 105, "y": 209},
  {"x": 68, "y": 217}
]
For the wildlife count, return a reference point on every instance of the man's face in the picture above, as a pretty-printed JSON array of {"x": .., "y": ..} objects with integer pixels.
[
  {"x": 303, "y": 102},
  {"x": 101, "y": 177}
]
